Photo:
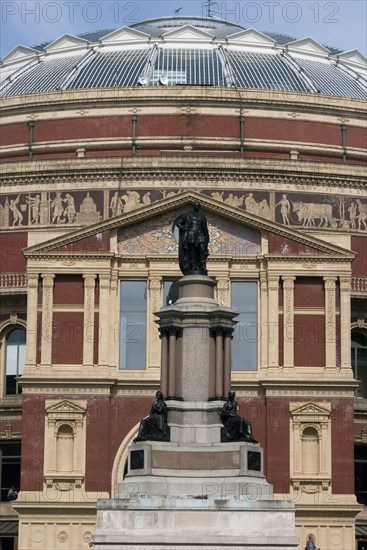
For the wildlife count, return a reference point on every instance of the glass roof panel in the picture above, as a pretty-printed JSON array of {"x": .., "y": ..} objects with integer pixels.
[
  {"x": 188, "y": 66},
  {"x": 47, "y": 75},
  {"x": 108, "y": 69},
  {"x": 331, "y": 80},
  {"x": 255, "y": 70}
]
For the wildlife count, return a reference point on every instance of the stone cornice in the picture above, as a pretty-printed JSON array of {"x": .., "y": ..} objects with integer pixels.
[
  {"x": 184, "y": 95},
  {"x": 167, "y": 170}
]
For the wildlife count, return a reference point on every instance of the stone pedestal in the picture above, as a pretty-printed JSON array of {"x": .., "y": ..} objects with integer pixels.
[{"x": 195, "y": 491}]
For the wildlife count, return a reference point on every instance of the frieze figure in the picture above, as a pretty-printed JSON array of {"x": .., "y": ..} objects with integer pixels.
[
  {"x": 285, "y": 207},
  {"x": 193, "y": 241},
  {"x": 34, "y": 203},
  {"x": 17, "y": 216},
  {"x": 236, "y": 428},
  {"x": 154, "y": 427}
]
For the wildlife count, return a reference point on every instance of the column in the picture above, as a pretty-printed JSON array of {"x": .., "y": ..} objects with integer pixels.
[
  {"x": 47, "y": 317},
  {"x": 330, "y": 322},
  {"x": 104, "y": 320},
  {"x": 288, "y": 320},
  {"x": 154, "y": 303},
  {"x": 263, "y": 320},
  {"x": 345, "y": 317},
  {"x": 164, "y": 361},
  {"x": 227, "y": 362},
  {"x": 172, "y": 362},
  {"x": 32, "y": 303},
  {"x": 273, "y": 320},
  {"x": 219, "y": 362},
  {"x": 114, "y": 321},
  {"x": 88, "y": 332}
]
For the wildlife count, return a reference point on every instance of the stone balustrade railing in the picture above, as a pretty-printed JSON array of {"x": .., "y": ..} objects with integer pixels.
[
  {"x": 13, "y": 280},
  {"x": 359, "y": 284}
]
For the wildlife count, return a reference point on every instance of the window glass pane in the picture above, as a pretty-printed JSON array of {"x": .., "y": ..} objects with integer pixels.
[
  {"x": 133, "y": 319},
  {"x": 170, "y": 292},
  {"x": 15, "y": 359},
  {"x": 359, "y": 362},
  {"x": 245, "y": 338},
  {"x": 10, "y": 469}
]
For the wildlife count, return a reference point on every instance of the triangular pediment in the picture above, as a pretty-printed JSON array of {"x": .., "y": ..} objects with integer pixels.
[
  {"x": 188, "y": 34},
  {"x": 125, "y": 35},
  {"x": 251, "y": 37},
  {"x": 307, "y": 46},
  {"x": 20, "y": 53},
  {"x": 64, "y": 408},
  {"x": 144, "y": 230},
  {"x": 310, "y": 410},
  {"x": 66, "y": 42},
  {"x": 353, "y": 56}
]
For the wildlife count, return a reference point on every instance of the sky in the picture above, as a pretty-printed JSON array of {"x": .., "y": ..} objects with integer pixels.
[{"x": 339, "y": 23}]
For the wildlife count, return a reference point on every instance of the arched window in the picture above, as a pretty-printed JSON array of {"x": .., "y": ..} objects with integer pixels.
[
  {"x": 65, "y": 449},
  {"x": 15, "y": 350},
  {"x": 310, "y": 451},
  {"x": 359, "y": 360}
]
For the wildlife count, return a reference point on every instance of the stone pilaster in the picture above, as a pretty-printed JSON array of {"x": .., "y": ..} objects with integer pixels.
[
  {"x": 330, "y": 322},
  {"x": 288, "y": 320},
  {"x": 32, "y": 302},
  {"x": 345, "y": 315},
  {"x": 47, "y": 317},
  {"x": 88, "y": 332},
  {"x": 223, "y": 297},
  {"x": 114, "y": 321},
  {"x": 104, "y": 321},
  {"x": 263, "y": 320},
  {"x": 273, "y": 320},
  {"x": 154, "y": 303}
]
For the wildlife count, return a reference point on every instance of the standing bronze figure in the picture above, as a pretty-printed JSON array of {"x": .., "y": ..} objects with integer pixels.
[{"x": 193, "y": 241}]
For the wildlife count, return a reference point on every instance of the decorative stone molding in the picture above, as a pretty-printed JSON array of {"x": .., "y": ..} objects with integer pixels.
[
  {"x": 310, "y": 455},
  {"x": 88, "y": 332},
  {"x": 64, "y": 454},
  {"x": 330, "y": 321},
  {"x": 273, "y": 320},
  {"x": 47, "y": 317},
  {"x": 288, "y": 320}
]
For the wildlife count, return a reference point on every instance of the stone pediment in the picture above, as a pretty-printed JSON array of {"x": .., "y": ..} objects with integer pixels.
[
  {"x": 188, "y": 34},
  {"x": 66, "y": 42},
  {"x": 251, "y": 37},
  {"x": 307, "y": 46},
  {"x": 64, "y": 408},
  {"x": 125, "y": 35},
  {"x": 146, "y": 230},
  {"x": 19, "y": 53},
  {"x": 310, "y": 412}
]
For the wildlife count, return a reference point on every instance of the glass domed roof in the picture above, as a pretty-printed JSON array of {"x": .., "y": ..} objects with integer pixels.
[{"x": 177, "y": 51}]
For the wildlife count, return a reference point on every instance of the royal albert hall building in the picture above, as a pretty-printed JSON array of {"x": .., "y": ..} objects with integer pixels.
[{"x": 105, "y": 139}]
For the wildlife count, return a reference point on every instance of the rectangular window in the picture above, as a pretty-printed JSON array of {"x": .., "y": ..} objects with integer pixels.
[
  {"x": 10, "y": 470},
  {"x": 170, "y": 292},
  {"x": 245, "y": 337},
  {"x": 133, "y": 325}
]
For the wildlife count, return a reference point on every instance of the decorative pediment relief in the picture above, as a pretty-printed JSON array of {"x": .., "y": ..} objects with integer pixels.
[
  {"x": 233, "y": 231},
  {"x": 155, "y": 237},
  {"x": 64, "y": 409},
  {"x": 310, "y": 412}
]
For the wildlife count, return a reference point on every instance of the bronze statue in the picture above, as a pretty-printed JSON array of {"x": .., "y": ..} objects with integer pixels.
[
  {"x": 193, "y": 241},
  {"x": 154, "y": 427},
  {"x": 235, "y": 427}
]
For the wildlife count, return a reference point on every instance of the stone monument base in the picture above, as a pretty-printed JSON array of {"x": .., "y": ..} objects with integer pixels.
[{"x": 208, "y": 496}]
